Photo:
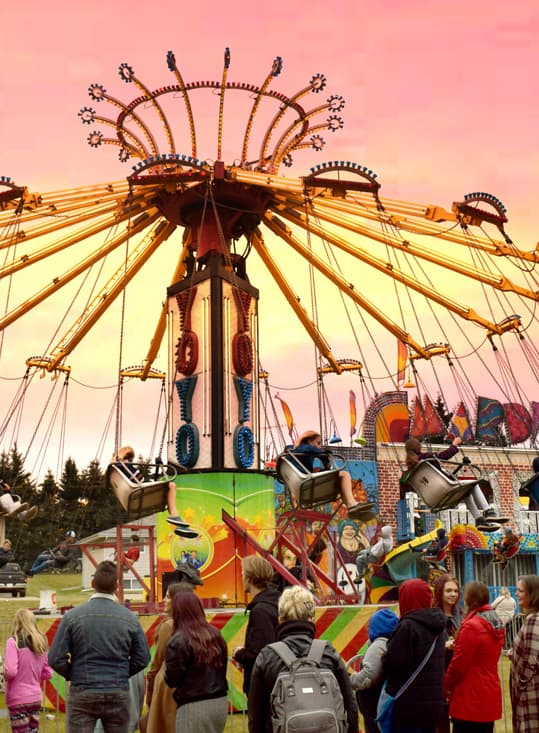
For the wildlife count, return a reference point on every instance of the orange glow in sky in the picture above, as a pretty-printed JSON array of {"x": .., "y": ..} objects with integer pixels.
[{"x": 441, "y": 100}]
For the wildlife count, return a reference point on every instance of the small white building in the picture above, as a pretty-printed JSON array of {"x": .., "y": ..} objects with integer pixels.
[{"x": 100, "y": 553}]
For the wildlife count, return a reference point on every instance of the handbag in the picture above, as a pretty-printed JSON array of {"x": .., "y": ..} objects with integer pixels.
[{"x": 384, "y": 709}]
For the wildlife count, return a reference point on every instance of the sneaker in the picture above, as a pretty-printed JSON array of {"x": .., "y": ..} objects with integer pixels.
[
  {"x": 177, "y": 522},
  {"x": 485, "y": 525},
  {"x": 491, "y": 516},
  {"x": 28, "y": 514},
  {"x": 188, "y": 534}
]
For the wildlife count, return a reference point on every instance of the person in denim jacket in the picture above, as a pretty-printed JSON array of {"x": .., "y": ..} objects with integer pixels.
[{"x": 98, "y": 647}]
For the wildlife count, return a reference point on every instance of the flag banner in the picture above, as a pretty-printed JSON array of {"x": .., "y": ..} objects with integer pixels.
[
  {"x": 402, "y": 358},
  {"x": 353, "y": 412},
  {"x": 490, "y": 415},
  {"x": 287, "y": 416},
  {"x": 534, "y": 409},
  {"x": 518, "y": 422},
  {"x": 427, "y": 421},
  {"x": 460, "y": 424}
]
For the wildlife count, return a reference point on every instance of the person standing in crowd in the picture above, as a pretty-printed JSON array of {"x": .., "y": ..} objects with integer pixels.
[
  {"x": 98, "y": 647},
  {"x": 161, "y": 704},
  {"x": 505, "y": 606},
  {"x": 196, "y": 663},
  {"x": 25, "y": 667},
  {"x": 307, "y": 448},
  {"x": 471, "y": 682},
  {"x": 446, "y": 597},
  {"x": 6, "y": 553},
  {"x": 370, "y": 678},
  {"x": 296, "y": 628},
  {"x": 525, "y": 659},
  {"x": 257, "y": 575},
  {"x": 420, "y": 635}
]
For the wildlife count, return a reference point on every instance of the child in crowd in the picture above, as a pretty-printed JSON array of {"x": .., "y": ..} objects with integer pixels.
[
  {"x": 369, "y": 680},
  {"x": 25, "y": 666},
  {"x": 483, "y": 514},
  {"x": 307, "y": 448}
]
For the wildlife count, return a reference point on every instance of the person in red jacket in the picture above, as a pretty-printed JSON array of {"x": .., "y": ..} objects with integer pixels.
[{"x": 471, "y": 682}]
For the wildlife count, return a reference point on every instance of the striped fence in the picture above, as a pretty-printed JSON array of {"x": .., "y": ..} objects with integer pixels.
[{"x": 345, "y": 627}]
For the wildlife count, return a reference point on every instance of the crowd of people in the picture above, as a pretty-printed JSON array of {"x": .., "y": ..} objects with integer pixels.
[
  {"x": 434, "y": 666},
  {"x": 438, "y": 659}
]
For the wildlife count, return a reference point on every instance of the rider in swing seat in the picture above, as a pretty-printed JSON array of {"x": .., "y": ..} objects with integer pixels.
[
  {"x": 484, "y": 515},
  {"x": 307, "y": 448},
  {"x": 126, "y": 456}
]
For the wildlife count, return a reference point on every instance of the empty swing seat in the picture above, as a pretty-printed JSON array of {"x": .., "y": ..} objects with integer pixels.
[
  {"x": 437, "y": 489},
  {"x": 309, "y": 489},
  {"x": 139, "y": 499}
]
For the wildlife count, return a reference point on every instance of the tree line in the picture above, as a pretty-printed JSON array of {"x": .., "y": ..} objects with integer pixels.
[{"x": 78, "y": 500}]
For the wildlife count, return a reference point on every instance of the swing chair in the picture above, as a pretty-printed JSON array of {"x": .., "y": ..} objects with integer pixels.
[
  {"x": 309, "y": 490},
  {"x": 140, "y": 498},
  {"x": 439, "y": 490}
]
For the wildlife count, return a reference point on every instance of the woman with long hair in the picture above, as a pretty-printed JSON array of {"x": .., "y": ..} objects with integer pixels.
[
  {"x": 196, "y": 668},
  {"x": 525, "y": 659},
  {"x": 446, "y": 597},
  {"x": 472, "y": 682},
  {"x": 161, "y": 704},
  {"x": 25, "y": 666}
]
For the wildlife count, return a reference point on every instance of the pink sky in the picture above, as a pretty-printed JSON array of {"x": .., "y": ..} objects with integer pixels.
[{"x": 441, "y": 100}]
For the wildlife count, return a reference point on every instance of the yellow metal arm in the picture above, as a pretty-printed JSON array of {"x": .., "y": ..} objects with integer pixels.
[
  {"x": 282, "y": 231},
  {"x": 292, "y": 298}
]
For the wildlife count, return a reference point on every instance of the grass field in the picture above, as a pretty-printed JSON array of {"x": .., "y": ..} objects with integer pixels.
[{"x": 69, "y": 593}]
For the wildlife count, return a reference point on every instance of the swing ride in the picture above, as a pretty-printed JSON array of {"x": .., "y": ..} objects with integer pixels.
[{"x": 443, "y": 288}]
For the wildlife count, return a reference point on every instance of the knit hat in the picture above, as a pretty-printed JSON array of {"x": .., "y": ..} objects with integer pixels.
[
  {"x": 382, "y": 623},
  {"x": 414, "y": 594}
]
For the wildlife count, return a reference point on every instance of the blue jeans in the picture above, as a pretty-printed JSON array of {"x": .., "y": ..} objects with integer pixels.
[
  {"x": 42, "y": 562},
  {"x": 86, "y": 707}
]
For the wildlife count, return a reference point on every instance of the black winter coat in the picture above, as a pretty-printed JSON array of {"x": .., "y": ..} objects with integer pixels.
[
  {"x": 423, "y": 702},
  {"x": 298, "y": 635},
  {"x": 261, "y": 630}
]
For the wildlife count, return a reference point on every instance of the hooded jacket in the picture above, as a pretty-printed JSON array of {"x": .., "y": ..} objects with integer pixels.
[
  {"x": 472, "y": 680},
  {"x": 261, "y": 630},
  {"x": 420, "y": 625},
  {"x": 381, "y": 626}
]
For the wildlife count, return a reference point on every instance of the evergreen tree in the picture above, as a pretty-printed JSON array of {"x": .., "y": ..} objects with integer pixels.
[
  {"x": 101, "y": 509},
  {"x": 445, "y": 416}
]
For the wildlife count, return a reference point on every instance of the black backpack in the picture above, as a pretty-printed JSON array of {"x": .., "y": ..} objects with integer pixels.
[{"x": 306, "y": 697}]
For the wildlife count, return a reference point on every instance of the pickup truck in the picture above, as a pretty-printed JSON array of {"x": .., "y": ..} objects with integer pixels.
[{"x": 12, "y": 580}]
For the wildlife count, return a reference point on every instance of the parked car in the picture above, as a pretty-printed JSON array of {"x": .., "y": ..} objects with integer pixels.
[{"x": 12, "y": 580}]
